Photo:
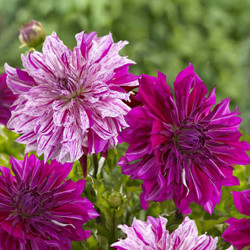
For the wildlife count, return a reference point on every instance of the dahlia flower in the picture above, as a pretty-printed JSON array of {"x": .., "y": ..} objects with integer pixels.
[
  {"x": 71, "y": 102},
  {"x": 238, "y": 231},
  {"x": 179, "y": 146},
  {"x": 152, "y": 235},
  {"x": 6, "y": 100},
  {"x": 39, "y": 209}
]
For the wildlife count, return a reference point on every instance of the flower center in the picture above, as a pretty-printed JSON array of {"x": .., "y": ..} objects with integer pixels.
[
  {"x": 190, "y": 139},
  {"x": 29, "y": 203},
  {"x": 70, "y": 86},
  {"x": 66, "y": 84}
]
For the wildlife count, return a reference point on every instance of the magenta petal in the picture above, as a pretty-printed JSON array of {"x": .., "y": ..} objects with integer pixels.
[
  {"x": 6, "y": 100},
  {"x": 238, "y": 233},
  {"x": 242, "y": 201}
]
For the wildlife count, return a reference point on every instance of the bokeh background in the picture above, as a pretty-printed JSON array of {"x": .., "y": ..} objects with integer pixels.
[{"x": 165, "y": 35}]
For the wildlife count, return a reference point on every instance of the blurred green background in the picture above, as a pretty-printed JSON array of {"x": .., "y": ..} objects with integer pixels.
[
  {"x": 214, "y": 35},
  {"x": 164, "y": 35}
]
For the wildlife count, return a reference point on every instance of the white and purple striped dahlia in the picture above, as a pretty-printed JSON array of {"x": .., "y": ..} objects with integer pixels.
[
  {"x": 71, "y": 102},
  {"x": 152, "y": 235}
]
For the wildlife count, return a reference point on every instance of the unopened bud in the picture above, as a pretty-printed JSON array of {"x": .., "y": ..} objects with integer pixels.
[
  {"x": 32, "y": 34},
  {"x": 115, "y": 199}
]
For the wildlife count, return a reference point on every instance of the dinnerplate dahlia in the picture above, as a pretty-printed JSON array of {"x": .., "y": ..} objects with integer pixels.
[
  {"x": 6, "y": 100},
  {"x": 180, "y": 146},
  {"x": 238, "y": 232},
  {"x": 71, "y": 102},
  {"x": 152, "y": 235},
  {"x": 39, "y": 209}
]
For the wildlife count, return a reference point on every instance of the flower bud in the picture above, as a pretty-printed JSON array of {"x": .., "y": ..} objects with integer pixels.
[
  {"x": 115, "y": 199},
  {"x": 32, "y": 34}
]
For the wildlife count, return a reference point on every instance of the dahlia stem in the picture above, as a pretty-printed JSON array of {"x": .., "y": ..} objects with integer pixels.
[
  {"x": 95, "y": 164},
  {"x": 178, "y": 216},
  {"x": 83, "y": 163},
  {"x": 113, "y": 226}
]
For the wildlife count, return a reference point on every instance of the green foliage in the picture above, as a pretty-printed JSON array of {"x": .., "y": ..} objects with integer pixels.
[{"x": 9, "y": 147}]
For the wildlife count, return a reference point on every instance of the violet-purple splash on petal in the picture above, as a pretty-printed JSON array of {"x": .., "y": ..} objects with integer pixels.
[
  {"x": 6, "y": 100},
  {"x": 71, "y": 102},
  {"x": 39, "y": 209},
  {"x": 238, "y": 232},
  {"x": 180, "y": 145},
  {"x": 152, "y": 235}
]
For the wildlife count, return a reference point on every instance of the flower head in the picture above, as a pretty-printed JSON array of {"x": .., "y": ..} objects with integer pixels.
[
  {"x": 39, "y": 209},
  {"x": 71, "y": 102},
  {"x": 6, "y": 100},
  {"x": 32, "y": 34},
  {"x": 179, "y": 146},
  {"x": 239, "y": 230},
  {"x": 154, "y": 236}
]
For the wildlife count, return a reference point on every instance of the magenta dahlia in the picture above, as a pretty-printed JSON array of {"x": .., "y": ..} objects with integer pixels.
[
  {"x": 6, "y": 100},
  {"x": 180, "y": 146},
  {"x": 152, "y": 235},
  {"x": 238, "y": 232},
  {"x": 71, "y": 102},
  {"x": 39, "y": 209}
]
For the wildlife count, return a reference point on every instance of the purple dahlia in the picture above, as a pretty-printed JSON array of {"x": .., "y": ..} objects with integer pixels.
[
  {"x": 182, "y": 148},
  {"x": 238, "y": 232},
  {"x": 6, "y": 100},
  {"x": 152, "y": 235},
  {"x": 39, "y": 209},
  {"x": 71, "y": 102}
]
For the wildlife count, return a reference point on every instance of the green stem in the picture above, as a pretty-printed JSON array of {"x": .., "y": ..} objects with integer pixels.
[
  {"x": 178, "y": 216},
  {"x": 95, "y": 165},
  {"x": 113, "y": 226}
]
